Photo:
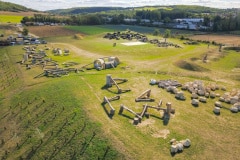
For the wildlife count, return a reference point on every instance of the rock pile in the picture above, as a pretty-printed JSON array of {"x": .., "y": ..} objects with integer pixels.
[{"x": 178, "y": 146}]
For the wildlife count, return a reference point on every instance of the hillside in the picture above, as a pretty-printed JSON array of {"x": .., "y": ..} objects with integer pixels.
[
  {"x": 82, "y": 10},
  {"x": 7, "y": 6},
  {"x": 186, "y": 8}
]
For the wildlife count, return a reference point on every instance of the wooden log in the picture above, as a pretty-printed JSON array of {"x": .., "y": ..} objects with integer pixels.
[
  {"x": 145, "y": 94},
  {"x": 144, "y": 100},
  {"x": 144, "y": 110},
  {"x": 109, "y": 80},
  {"x": 129, "y": 110},
  {"x": 112, "y": 110},
  {"x": 114, "y": 98},
  {"x": 157, "y": 108},
  {"x": 120, "y": 79},
  {"x": 169, "y": 107}
]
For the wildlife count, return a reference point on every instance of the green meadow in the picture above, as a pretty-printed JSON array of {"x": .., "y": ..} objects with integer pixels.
[{"x": 65, "y": 118}]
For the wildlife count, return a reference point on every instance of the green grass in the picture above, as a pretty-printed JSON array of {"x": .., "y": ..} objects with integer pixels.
[
  {"x": 10, "y": 19},
  {"x": 89, "y": 30},
  {"x": 50, "y": 120},
  {"x": 98, "y": 29},
  {"x": 52, "y": 109}
]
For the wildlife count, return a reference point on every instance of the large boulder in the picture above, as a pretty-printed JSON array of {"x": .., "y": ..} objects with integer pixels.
[
  {"x": 212, "y": 95},
  {"x": 216, "y": 110},
  {"x": 201, "y": 92},
  {"x": 174, "y": 149},
  {"x": 203, "y": 99},
  {"x": 234, "y": 99},
  {"x": 194, "y": 96},
  {"x": 237, "y": 105},
  {"x": 187, "y": 143},
  {"x": 153, "y": 82},
  {"x": 218, "y": 104},
  {"x": 179, "y": 147},
  {"x": 179, "y": 95},
  {"x": 234, "y": 109},
  {"x": 195, "y": 102}
]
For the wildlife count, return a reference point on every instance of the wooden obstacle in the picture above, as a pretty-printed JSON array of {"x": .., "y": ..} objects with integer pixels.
[
  {"x": 145, "y": 96},
  {"x": 113, "y": 81},
  {"x": 108, "y": 100},
  {"x": 167, "y": 111},
  {"x": 137, "y": 119}
]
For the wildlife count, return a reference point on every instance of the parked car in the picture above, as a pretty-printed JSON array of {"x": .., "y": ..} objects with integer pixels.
[{"x": 44, "y": 42}]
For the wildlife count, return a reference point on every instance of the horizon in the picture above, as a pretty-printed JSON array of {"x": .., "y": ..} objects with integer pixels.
[{"x": 45, "y": 5}]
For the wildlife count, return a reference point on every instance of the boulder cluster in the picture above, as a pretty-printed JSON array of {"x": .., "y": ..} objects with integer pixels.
[{"x": 178, "y": 146}]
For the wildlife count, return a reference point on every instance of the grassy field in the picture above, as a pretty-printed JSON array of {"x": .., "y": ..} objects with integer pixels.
[
  {"x": 10, "y": 18},
  {"x": 64, "y": 118}
]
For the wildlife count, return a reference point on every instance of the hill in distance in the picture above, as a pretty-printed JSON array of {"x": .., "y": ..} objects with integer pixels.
[
  {"x": 189, "y": 8},
  {"x": 11, "y": 7}
]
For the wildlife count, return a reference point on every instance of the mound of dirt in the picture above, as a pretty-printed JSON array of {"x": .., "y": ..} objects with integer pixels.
[{"x": 190, "y": 66}]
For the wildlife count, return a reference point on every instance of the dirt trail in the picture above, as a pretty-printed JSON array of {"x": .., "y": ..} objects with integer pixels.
[{"x": 79, "y": 51}]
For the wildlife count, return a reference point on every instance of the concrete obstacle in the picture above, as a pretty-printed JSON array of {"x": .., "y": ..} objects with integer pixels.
[{"x": 145, "y": 96}]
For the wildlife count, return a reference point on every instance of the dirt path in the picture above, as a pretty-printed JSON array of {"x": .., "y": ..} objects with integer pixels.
[{"x": 79, "y": 51}]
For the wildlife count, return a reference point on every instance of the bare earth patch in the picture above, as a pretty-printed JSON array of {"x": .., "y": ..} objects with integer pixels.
[
  {"x": 225, "y": 39},
  {"x": 50, "y": 31},
  {"x": 161, "y": 134},
  {"x": 148, "y": 127}
]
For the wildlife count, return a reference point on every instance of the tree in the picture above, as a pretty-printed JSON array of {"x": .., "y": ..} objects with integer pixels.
[
  {"x": 25, "y": 32},
  {"x": 167, "y": 33},
  {"x": 167, "y": 20},
  {"x": 156, "y": 32}
]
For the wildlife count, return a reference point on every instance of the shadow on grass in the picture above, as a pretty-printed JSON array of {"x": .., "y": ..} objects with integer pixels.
[
  {"x": 106, "y": 111},
  {"x": 165, "y": 119}
]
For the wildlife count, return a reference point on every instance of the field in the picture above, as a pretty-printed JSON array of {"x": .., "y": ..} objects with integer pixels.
[
  {"x": 51, "y": 31},
  {"x": 10, "y": 19},
  {"x": 230, "y": 40},
  {"x": 64, "y": 117}
]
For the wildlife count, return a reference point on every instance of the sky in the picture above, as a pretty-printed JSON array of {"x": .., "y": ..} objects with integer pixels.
[{"x": 43, "y": 5}]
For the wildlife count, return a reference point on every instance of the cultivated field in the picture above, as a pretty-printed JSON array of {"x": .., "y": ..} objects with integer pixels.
[
  {"x": 229, "y": 40},
  {"x": 64, "y": 117},
  {"x": 51, "y": 31}
]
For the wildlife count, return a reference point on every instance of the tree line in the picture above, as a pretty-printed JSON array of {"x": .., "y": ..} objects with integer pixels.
[{"x": 228, "y": 21}]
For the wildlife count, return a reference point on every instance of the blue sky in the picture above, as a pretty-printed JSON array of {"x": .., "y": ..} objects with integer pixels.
[{"x": 43, "y": 5}]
